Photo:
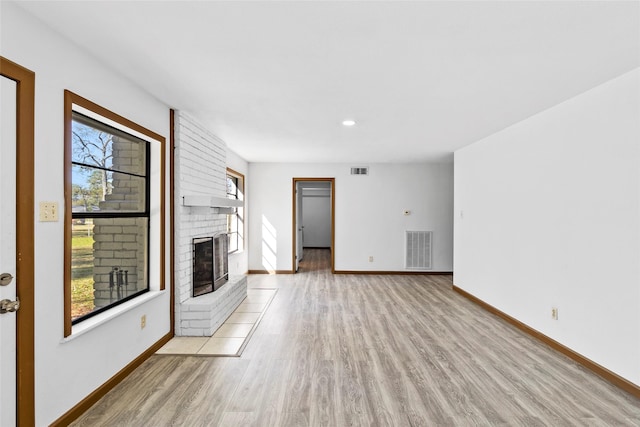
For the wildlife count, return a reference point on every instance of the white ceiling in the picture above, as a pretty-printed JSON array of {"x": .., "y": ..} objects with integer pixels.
[{"x": 422, "y": 78}]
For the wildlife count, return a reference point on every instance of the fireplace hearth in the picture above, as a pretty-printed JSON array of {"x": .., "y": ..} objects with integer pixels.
[{"x": 210, "y": 263}]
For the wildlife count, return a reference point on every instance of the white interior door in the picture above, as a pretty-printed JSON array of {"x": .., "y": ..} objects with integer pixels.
[{"x": 8, "y": 115}]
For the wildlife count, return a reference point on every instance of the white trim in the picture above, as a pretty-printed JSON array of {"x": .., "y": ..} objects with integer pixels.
[{"x": 99, "y": 319}]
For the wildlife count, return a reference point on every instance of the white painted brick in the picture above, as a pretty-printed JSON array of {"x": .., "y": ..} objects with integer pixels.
[
  {"x": 197, "y": 307},
  {"x": 194, "y": 315},
  {"x": 201, "y": 169},
  {"x": 214, "y": 308}
]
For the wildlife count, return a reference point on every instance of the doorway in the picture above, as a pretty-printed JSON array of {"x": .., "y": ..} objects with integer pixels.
[
  {"x": 17, "y": 88},
  {"x": 318, "y": 195}
]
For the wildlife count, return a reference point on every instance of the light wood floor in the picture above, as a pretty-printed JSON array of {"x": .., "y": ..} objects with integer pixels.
[{"x": 368, "y": 350}]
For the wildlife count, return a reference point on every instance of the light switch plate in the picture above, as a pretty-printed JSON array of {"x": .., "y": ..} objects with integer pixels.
[{"x": 48, "y": 211}]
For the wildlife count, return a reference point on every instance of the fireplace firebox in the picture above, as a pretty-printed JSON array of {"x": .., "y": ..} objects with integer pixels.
[{"x": 210, "y": 263}]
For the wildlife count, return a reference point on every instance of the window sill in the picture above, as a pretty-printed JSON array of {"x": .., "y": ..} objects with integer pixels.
[{"x": 93, "y": 322}]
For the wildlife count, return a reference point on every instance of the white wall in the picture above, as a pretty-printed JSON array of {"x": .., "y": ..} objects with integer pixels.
[
  {"x": 68, "y": 370},
  {"x": 316, "y": 217},
  {"x": 547, "y": 215},
  {"x": 369, "y": 218}
]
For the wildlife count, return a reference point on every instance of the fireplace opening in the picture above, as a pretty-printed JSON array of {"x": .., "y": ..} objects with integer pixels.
[{"x": 210, "y": 263}]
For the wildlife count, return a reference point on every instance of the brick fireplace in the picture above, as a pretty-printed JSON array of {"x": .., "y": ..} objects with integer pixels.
[{"x": 200, "y": 167}]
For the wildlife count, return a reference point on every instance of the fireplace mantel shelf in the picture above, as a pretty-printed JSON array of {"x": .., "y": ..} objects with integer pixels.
[{"x": 223, "y": 204}]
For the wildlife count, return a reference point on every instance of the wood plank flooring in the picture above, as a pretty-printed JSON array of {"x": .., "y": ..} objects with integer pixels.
[{"x": 349, "y": 350}]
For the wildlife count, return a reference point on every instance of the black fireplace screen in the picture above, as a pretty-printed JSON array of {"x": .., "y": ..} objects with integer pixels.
[{"x": 210, "y": 263}]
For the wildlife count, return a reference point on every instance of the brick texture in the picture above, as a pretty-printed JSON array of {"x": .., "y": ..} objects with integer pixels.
[
  {"x": 201, "y": 169},
  {"x": 120, "y": 244}
]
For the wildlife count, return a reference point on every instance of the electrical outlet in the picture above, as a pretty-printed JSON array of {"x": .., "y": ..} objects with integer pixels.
[
  {"x": 143, "y": 321},
  {"x": 554, "y": 313},
  {"x": 370, "y": 258},
  {"x": 48, "y": 211}
]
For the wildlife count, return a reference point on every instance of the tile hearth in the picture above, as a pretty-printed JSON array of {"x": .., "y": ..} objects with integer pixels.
[{"x": 232, "y": 336}]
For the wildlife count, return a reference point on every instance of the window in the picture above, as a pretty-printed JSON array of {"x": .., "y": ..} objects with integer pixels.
[
  {"x": 109, "y": 225},
  {"x": 235, "y": 221}
]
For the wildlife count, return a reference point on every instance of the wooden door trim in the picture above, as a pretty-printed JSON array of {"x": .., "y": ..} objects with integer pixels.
[
  {"x": 172, "y": 222},
  {"x": 25, "y": 372},
  {"x": 333, "y": 220}
]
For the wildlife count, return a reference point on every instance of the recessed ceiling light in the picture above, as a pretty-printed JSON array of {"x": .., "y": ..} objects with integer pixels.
[{"x": 349, "y": 122}]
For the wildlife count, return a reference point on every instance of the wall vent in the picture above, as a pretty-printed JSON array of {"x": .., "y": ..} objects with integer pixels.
[
  {"x": 418, "y": 250},
  {"x": 360, "y": 171}
]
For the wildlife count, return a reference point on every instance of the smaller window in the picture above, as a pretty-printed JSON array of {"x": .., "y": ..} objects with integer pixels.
[{"x": 235, "y": 221}]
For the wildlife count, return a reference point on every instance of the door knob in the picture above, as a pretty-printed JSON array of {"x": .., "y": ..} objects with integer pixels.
[
  {"x": 5, "y": 279},
  {"x": 8, "y": 306}
]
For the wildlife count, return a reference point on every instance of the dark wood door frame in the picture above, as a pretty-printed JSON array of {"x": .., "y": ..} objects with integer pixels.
[
  {"x": 25, "y": 372},
  {"x": 333, "y": 220}
]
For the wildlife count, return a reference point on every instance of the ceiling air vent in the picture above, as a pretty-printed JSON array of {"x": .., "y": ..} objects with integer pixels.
[{"x": 360, "y": 171}]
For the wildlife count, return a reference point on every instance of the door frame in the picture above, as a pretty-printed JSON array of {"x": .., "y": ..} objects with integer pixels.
[
  {"x": 25, "y": 351},
  {"x": 333, "y": 220}
]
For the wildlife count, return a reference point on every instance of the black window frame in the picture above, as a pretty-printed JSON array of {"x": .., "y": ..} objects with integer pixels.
[
  {"x": 239, "y": 183},
  {"x": 143, "y": 213}
]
